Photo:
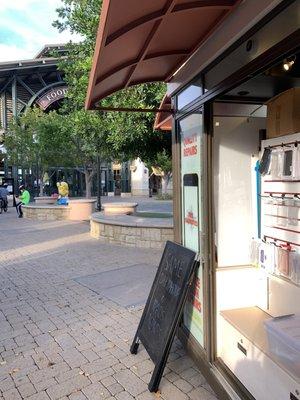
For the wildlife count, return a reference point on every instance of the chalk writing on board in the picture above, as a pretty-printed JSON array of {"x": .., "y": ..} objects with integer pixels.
[
  {"x": 171, "y": 287},
  {"x": 164, "y": 307},
  {"x": 157, "y": 315}
]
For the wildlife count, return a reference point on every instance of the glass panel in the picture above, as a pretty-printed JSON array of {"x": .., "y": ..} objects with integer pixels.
[
  {"x": 191, "y": 183},
  {"x": 189, "y": 94}
]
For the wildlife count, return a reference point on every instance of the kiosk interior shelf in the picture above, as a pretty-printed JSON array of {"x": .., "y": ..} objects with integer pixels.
[{"x": 252, "y": 324}]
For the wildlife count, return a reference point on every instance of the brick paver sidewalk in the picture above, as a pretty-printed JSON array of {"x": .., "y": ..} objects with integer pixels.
[{"x": 59, "y": 339}]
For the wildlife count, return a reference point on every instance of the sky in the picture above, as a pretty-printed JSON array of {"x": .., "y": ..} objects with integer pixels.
[{"x": 26, "y": 26}]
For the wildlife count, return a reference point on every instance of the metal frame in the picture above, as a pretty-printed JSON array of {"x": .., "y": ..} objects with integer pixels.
[
  {"x": 205, "y": 360},
  {"x": 21, "y": 93},
  {"x": 272, "y": 14}
]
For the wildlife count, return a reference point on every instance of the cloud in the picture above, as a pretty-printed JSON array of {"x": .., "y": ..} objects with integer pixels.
[{"x": 26, "y": 26}]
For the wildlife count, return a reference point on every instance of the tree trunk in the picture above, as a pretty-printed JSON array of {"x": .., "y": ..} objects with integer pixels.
[
  {"x": 164, "y": 184},
  {"x": 88, "y": 184},
  {"x": 41, "y": 185}
]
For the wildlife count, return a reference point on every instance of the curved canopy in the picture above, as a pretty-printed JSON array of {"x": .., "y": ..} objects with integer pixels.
[
  {"x": 163, "y": 120},
  {"x": 142, "y": 41}
]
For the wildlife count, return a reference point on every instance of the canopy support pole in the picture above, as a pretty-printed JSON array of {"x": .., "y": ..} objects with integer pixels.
[{"x": 141, "y": 110}]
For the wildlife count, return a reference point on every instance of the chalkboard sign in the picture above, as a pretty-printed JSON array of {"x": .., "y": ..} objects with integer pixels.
[{"x": 164, "y": 307}]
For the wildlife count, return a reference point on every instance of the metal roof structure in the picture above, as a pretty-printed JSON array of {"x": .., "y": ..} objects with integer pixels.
[
  {"x": 163, "y": 120},
  {"x": 24, "y": 82},
  {"x": 142, "y": 41}
]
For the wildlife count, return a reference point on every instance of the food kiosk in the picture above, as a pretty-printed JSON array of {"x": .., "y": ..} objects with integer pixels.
[{"x": 236, "y": 180}]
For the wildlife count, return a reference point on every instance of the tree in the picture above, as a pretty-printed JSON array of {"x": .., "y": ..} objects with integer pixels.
[
  {"x": 125, "y": 136},
  {"x": 164, "y": 163},
  {"x": 87, "y": 137},
  {"x": 33, "y": 141}
]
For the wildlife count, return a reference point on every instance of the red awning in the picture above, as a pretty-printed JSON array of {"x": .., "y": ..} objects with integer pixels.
[
  {"x": 163, "y": 120},
  {"x": 142, "y": 41}
]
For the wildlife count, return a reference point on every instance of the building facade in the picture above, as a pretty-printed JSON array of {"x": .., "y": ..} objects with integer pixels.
[{"x": 38, "y": 82}]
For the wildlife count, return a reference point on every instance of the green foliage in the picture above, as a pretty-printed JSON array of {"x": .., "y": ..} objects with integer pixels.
[
  {"x": 80, "y": 17},
  {"x": 35, "y": 137},
  {"x": 163, "y": 161},
  {"x": 86, "y": 135},
  {"x": 124, "y": 135}
]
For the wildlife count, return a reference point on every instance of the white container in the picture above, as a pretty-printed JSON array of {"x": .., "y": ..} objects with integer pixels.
[
  {"x": 267, "y": 257},
  {"x": 284, "y": 341},
  {"x": 294, "y": 261}
]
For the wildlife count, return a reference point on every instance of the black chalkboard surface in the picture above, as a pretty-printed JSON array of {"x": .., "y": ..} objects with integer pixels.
[{"x": 164, "y": 306}]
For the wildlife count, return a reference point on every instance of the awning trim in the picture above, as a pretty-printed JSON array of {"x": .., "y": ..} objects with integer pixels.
[
  {"x": 159, "y": 15},
  {"x": 142, "y": 66}
]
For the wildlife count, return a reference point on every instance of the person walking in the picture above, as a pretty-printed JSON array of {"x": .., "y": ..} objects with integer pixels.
[
  {"x": 3, "y": 196},
  {"x": 24, "y": 199}
]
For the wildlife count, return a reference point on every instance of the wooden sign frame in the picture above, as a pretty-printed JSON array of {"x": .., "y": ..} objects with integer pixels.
[{"x": 177, "y": 262}]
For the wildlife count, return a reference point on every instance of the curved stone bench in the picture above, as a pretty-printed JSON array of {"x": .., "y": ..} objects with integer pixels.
[
  {"x": 123, "y": 208},
  {"x": 77, "y": 210},
  {"x": 45, "y": 200},
  {"x": 132, "y": 231},
  {"x": 44, "y": 212}
]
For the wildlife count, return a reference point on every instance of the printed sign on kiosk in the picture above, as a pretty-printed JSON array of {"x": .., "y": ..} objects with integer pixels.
[{"x": 191, "y": 131}]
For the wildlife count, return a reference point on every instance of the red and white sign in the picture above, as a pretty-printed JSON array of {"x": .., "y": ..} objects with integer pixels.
[
  {"x": 190, "y": 219},
  {"x": 190, "y": 145}
]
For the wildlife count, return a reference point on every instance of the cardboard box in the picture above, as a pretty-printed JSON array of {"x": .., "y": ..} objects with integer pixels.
[{"x": 283, "y": 115}]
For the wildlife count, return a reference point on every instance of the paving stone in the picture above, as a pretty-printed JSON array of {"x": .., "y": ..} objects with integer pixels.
[
  {"x": 73, "y": 357},
  {"x": 43, "y": 385},
  {"x": 143, "y": 368},
  {"x": 60, "y": 339},
  {"x": 130, "y": 382},
  {"x": 6, "y": 383},
  {"x": 65, "y": 341},
  {"x": 108, "y": 381},
  {"x": 189, "y": 373},
  {"x": 48, "y": 373},
  {"x": 148, "y": 396},
  {"x": 171, "y": 392},
  {"x": 183, "y": 385},
  {"x": 98, "y": 376},
  {"x": 196, "y": 380},
  {"x": 77, "y": 396},
  {"x": 68, "y": 387},
  {"x": 115, "y": 388},
  {"x": 172, "y": 376},
  {"x": 26, "y": 390},
  {"x": 12, "y": 394},
  {"x": 99, "y": 365},
  {"x": 39, "y": 396},
  {"x": 64, "y": 376},
  {"x": 96, "y": 391},
  {"x": 90, "y": 355},
  {"x": 181, "y": 364},
  {"x": 21, "y": 380},
  {"x": 201, "y": 393},
  {"x": 147, "y": 377},
  {"x": 124, "y": 396},
  {"x": 208, "y": 388}
]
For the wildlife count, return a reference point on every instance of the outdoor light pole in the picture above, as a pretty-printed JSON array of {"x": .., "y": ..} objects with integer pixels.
[{"x": 98, "y": 183}]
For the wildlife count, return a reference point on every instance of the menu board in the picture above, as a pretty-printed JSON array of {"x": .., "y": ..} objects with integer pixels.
[{"x": 164, "y": 307}]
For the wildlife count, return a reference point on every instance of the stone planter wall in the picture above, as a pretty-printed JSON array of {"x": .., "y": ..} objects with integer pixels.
[
  {"x": 77, "y": 210},
  {"x": 44, "y": 213},
  {"x": 134, "y": 236}
]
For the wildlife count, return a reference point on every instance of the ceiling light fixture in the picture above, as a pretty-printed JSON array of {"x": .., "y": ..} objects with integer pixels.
[{"x": 288, "y": 63}]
